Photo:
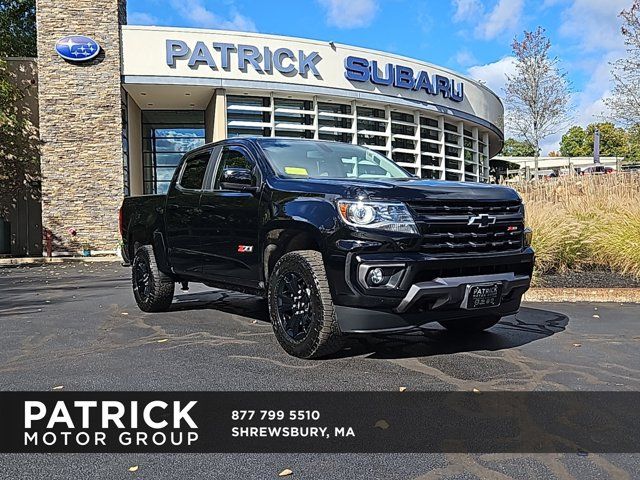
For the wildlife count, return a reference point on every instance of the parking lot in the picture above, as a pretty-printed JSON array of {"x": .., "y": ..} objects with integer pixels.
[{"x": 76, "y": 327}]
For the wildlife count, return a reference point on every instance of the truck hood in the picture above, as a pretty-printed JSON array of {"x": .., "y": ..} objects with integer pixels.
[{"x": 398, "y": 190}]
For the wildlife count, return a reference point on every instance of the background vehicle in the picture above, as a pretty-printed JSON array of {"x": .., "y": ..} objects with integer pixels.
[
  {"x": 596, "y": 170},
  {"x": 338, "y": 238}
]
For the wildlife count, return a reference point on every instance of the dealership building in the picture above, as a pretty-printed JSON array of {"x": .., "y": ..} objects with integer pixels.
[{"x": 116, "y": 122}]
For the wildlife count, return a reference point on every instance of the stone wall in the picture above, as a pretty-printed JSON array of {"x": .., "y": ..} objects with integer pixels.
[{"x": 81, "y": 125}]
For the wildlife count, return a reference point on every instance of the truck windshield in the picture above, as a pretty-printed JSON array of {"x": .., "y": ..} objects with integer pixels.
[{"x": 312, "y": 159}]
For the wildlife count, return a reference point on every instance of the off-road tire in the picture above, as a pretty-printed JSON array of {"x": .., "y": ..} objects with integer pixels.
[
  {"x": 471, "y": 325},
  {"x": 323, "y": 336},
  {"x": 160, "y": 286}
]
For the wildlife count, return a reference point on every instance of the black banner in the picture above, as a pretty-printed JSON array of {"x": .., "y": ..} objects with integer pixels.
[{"x": 366, "y": 422}]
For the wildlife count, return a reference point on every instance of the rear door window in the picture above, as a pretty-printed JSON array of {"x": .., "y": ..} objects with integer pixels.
[{"x": 194, "y": 170}]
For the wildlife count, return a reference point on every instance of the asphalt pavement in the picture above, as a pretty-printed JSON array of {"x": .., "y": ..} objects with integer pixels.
[{"x": 76, "y": 327}]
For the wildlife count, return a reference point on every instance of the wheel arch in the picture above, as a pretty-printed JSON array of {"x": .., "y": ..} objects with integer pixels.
[{"x": 288, "y": 237}]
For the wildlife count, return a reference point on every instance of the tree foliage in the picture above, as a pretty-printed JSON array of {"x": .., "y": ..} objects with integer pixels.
[
  {"x": 19, "y": 141},
  {"x": 624, "y": 102},
  {"x": 18, "y": 28},
  {"x": 614, "y": 141},
  {"x": 517, "y": 148},
  {"x": 537, "y": 95}
]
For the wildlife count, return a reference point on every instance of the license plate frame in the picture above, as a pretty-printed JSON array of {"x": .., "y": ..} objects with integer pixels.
[{"x": 482, "y": 295}]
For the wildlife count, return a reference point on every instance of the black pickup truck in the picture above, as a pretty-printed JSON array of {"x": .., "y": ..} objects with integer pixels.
[{"x": 339, "y": 239}]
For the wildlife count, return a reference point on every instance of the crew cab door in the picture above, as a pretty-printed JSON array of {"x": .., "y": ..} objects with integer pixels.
[
  {"x": 183, "y": 216},
  {"x": 232, "y": 220}
]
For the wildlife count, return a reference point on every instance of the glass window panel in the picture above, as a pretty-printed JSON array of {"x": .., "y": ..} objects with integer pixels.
[
  {"x": 370, "y": 112},
  {"x": 334, "y": 108},
  {"x": 452, "y": 164},
  {"x": 430, "y": 160},
  {"x": 372, "y": 140},
  {"x": 167, "y": 135},
  {"x": 193, "y": 173},
  {"x": 431, "y": 122},
  {"x": 164, "y": 174},
  {"x": 403, "y": 143},
  {"x": 336, "y": 137},
  {"x": 372, "y": 126},
  {"x": 430, "y": 147},
  {"x": 430, "y": 174}
]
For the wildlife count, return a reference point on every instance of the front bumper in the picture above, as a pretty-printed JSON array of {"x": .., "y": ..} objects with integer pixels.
[
  {"x": 441, "y": 299},
  {"x": 430, "y": 289}
]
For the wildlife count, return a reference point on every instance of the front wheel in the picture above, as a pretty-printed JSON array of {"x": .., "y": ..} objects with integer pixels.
[
  {"x": 471, "y": 325},
  {"x": 300, "y": 306},
  {"x": 152, "y": 289}
]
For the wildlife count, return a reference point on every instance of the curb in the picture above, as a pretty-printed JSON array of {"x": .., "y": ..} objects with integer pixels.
[
  {"x": 22, "y": 261},
  {"x": 573, "y": 295}
]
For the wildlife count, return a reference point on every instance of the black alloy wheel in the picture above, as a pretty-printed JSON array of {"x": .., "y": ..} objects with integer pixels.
[
  {"x": 294, "y": 305},
  {"x": 301, "y": 308},
  {"x": 152, "y": 289},
  {"x": 141, "y": 278}
]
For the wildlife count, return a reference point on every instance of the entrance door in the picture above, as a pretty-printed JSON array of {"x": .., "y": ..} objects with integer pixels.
[
  {"x": 231, "y": 223},
  {"x": 183, "y": 215}
]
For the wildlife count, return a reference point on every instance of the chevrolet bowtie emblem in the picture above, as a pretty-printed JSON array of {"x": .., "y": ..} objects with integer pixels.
[{"x": 482, "y": 221}]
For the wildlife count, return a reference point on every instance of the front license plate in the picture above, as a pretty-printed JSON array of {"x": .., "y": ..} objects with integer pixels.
[{"x": 484, "y": 295}]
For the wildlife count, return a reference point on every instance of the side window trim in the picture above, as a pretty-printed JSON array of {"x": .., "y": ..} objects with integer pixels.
[
  {"x": 184, "y": 167},
  {"x": 238, "y": 148},
  {"x": 210, "y": 177}
]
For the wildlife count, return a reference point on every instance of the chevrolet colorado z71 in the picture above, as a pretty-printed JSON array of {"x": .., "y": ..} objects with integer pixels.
[{"x": 339, "y": 239}]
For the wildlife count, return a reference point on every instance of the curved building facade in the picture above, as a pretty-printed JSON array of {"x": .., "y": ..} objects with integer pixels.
[{"x": 434, "y": 122}]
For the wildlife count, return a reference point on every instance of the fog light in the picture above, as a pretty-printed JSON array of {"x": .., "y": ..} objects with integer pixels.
[
  {"x": 528, "y": 236},
  {"x": 376, "y": 276}
]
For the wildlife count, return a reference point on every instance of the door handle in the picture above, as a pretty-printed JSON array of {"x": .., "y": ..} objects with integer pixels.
[{"x": 172, "y": 207}]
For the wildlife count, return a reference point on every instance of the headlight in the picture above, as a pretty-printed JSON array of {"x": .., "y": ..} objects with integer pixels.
[{"x": 393, "y": 217}]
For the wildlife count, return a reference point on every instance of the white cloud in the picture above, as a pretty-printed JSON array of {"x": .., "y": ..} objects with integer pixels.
[
  {"x": 350, "y": 13},
  {"x": 493, "y": 75},
  {"x": 464, "y": 58},
  {"x": 466, "y": 10},
  {"x": 504, "y": 18},
  {"x": 142, "y": 18},
  {"x": 199, "y": 15},
  {"x": 593, "y": 24}
]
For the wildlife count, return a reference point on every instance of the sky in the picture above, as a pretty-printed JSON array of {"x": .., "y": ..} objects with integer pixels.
[{"x": 472, "y": 37}]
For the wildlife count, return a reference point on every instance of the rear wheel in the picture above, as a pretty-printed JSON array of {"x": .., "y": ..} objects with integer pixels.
[
  {"x": 152, "y": 289},
  {"x": 300, "y": 306},
  {"x": 471, "y": 325}
]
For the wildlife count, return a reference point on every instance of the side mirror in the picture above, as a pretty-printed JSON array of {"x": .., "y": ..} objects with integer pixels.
[{"x": 240, "y": 179}]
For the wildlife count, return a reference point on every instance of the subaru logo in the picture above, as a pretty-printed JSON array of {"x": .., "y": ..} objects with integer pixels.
[
  {"x": 482, "y": 221},
  {"x": 77, "y": 48}
]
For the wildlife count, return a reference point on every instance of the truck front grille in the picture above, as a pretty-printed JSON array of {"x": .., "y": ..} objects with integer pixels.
[{"x": 446, "y": 227}]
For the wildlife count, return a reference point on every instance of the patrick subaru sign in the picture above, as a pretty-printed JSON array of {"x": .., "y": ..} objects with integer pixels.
[
  {"x": 359, "y": 69},
  {"x": 77, "y": 48},
  {"x": 223, "y": 56}
]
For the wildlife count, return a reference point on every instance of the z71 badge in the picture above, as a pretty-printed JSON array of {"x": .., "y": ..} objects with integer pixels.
[{"x": 245, "y": 248}]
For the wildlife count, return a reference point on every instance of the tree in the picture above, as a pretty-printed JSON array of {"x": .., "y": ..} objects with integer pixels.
[
  {"x": 624, "y": 102},
  {"x": 517, "y": 148},
  {"x": 573, "y": 143},
  {"x": 19, "y": 142},
  {"x": 537, "y": 95},
  {"x": 578, "y": 142},
  {"x": 633, "y": 139},
  {"x": 18, "y": 28}
]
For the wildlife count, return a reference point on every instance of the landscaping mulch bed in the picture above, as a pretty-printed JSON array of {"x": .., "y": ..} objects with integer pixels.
[{"x": 586, "y": 279}]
